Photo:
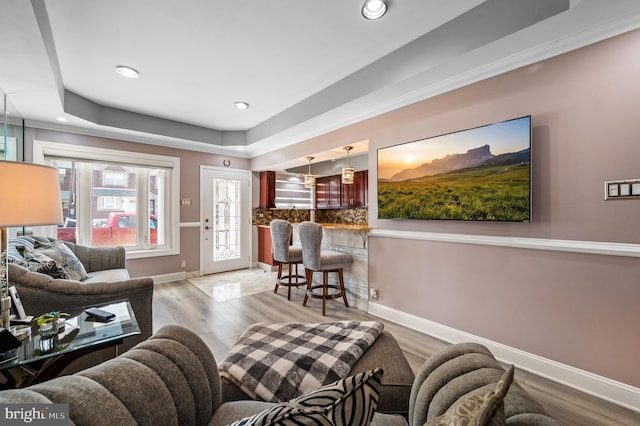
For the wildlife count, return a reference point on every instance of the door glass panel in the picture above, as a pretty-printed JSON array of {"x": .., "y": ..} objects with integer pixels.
[{"x": 226, "y": 208}]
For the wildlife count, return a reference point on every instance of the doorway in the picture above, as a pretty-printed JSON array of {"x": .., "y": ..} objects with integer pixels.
[{"x": 225, "y": 224}]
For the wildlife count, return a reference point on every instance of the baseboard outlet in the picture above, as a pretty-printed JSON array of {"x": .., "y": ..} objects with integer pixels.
[
  {"x": 601, "y": 387},
  {"x": 165, "y": 278}
]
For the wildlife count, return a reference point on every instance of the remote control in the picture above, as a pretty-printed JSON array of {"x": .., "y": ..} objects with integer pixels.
[{"x": 99, "y": 314}]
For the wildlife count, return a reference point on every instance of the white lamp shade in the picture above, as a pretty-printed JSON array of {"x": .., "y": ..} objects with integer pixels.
[{"x": 29, "y": 195}]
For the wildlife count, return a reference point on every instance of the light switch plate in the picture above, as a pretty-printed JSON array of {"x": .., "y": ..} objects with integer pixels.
[{"x": 622, "y": 189}]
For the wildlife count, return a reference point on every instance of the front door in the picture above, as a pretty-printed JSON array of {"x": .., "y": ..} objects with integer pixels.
[{"x": 225, "y": 220}]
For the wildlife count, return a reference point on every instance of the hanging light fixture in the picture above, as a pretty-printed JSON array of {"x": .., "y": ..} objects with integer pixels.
[
  {"x": 347, "y": 171},
  {"x": 309, "y": 179}
]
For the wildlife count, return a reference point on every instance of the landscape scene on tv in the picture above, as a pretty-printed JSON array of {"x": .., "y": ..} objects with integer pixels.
[{"x": 482, "y": 173}]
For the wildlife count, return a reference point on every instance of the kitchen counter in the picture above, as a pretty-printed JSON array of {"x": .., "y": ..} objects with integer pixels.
[{"x": 343, "y": 226}]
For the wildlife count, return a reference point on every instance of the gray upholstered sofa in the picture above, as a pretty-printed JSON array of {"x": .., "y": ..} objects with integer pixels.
[
  {"x": 106, "y": 280},
  {"x": 172, "y": 379},
  {"x": 463, "y": 370}
]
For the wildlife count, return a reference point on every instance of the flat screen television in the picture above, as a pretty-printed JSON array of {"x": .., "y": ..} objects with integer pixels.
[{"x": 478, "y": 174}]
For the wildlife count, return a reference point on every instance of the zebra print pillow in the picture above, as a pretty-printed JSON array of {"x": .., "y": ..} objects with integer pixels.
[
  {"x": 350, "y": 401},
  {"x": 51, "y": 268},
  {"x": 44, "y": 265}
]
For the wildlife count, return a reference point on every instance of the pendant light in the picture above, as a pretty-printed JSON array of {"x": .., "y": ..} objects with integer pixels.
[
  {"x": 309, "y": 179},
  {"x": 347, "y": 171}
]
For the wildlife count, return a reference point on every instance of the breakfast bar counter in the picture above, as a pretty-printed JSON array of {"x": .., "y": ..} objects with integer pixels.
[
  {"x": 344, "y": 230},
  {"x": 352, "y": 240}
]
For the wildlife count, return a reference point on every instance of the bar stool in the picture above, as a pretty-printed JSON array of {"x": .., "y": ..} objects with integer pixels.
[
  {"x": 285, "y": 254},
  {"x": 316, "y": 259}
]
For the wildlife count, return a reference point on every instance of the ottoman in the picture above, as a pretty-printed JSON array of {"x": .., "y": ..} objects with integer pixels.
[{"x": 384, "y": 353}]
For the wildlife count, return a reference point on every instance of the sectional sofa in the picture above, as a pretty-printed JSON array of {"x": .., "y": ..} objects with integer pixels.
[{"x": 172, "y": 379}]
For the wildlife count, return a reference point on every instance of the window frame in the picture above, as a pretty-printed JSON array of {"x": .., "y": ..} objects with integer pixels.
[{"x": 42, "y": 150}]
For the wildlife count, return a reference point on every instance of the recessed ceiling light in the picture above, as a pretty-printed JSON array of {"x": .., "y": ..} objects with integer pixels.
[
  {"x": 374, "y": 9},
  {"x": 62, "y": 119},
  {"x": 127, "y": 71},
  {"x": 241, "y": 105}
]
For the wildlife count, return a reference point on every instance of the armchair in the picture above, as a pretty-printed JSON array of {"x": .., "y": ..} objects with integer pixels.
[{"x": 108, "y": 280}]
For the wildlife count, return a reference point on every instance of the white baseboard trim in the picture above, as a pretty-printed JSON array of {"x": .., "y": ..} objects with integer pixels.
[
  {"x": 601, "y": 387},
  {"x": 572, "y": 246},
  {"x": 165, "y": 278}
]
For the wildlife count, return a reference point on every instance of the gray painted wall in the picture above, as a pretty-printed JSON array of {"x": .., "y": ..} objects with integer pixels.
[{"x": 578, "y": 309}]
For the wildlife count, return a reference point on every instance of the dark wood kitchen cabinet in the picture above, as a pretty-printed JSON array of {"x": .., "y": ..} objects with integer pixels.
[
  {"x": 264, "y": 245},
  {"x": 356, "y": 194},
  {"x": 268, "y": 190},
  {"x": 331, "y": 193},
  {"x": 328, "y": 194}
]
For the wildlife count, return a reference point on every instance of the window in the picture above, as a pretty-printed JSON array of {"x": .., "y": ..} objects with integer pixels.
[
  {"x": 106, "y": 198},
  {"x": 111, "y": 178},
  {"x": 107, "y": 203}
]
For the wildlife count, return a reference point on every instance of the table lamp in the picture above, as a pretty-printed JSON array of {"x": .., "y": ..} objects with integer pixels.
[{"x": 30, "y": 196}]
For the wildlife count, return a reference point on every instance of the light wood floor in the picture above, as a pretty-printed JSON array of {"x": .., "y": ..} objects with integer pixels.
[{"x": 220, "y": 323}]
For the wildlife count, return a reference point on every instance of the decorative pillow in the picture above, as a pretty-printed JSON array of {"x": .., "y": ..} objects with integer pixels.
[
  {"x": 479, "y": 409},
  {"x": 40, "y": 262},
  {"x": 350, "y": 401},
  {"x": 51, "y": 268},
  {"x": 62, "y": 254},
  {"x": 15, "y": 246}
]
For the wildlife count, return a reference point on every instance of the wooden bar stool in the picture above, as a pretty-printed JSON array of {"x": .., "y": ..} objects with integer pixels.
[
  {"x": 316, "y": 259},
  {"x": 286, "y": 254}
]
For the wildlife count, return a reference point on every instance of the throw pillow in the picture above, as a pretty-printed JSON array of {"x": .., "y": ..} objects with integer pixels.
[
  {"x": 479, "y": 409},
  {"x": 40, "y": 262},
  {"x": 349, "y": 401},
  {"x": 62, "y": 254},
  {"x": 51, "y": 268}
]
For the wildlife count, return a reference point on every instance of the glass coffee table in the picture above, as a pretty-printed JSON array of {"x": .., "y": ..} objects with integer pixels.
[{"x": 38, "y": 359}]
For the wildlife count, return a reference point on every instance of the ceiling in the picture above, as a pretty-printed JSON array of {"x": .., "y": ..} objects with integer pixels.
[{"x": 305, "y": 67}]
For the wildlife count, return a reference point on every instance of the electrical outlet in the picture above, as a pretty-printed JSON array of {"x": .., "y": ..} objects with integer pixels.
[
  {"x": 373, "y": 294},
  {"x": 183, "y": 264}
]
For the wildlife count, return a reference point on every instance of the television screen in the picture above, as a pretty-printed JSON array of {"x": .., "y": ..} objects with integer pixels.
[{"x": 482, "y": 173}]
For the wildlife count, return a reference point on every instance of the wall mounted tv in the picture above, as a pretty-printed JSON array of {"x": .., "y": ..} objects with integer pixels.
[{"x": 479, "y": 174}]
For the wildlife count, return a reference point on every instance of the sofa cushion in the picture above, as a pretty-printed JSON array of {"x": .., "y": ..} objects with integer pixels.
[
  {"x": 398, "y": 376},
  {"x": 478, "y": 409},
  {"x": 349, "y": 401},
  {"x": 62, "y": 254},
  {"x": 108, "y": 275}
]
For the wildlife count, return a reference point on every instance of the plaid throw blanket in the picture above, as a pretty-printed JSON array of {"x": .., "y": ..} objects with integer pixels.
[{"x": 278, "y": 362}]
